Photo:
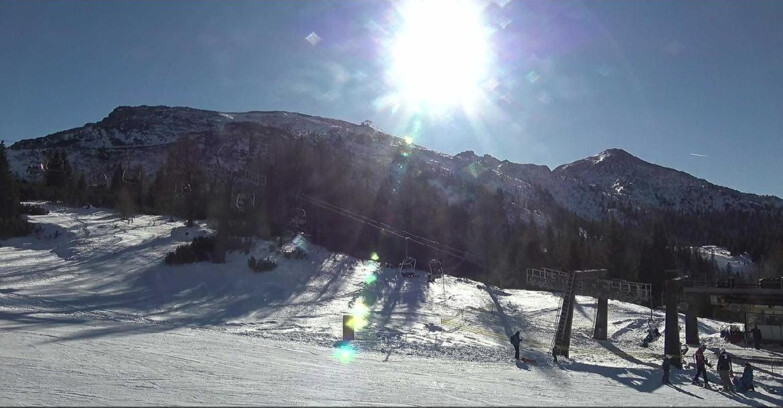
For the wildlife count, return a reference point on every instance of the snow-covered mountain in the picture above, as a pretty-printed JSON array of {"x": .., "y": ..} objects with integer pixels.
[
  {"x": 608, "y": 183},
  {"x": 636, "y": 182}
]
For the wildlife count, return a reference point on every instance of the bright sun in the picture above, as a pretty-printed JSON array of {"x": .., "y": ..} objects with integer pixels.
[{"x": 440, "y": 54}]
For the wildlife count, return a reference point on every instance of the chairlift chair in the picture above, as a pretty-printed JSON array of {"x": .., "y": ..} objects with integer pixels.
[
  {"x": 131, "y": 176},
  {"x": 183, "y": 188},
  {"x": 408, "y": 267},
  {"x": 299, "y": 218},
  {"x": 245, "y": 201},
  {"x": 51, "y": 167},
  {"x": 35, "y": 167},
  {"x": 436, "y": 269},
  {"x": 98, "y": 180}
]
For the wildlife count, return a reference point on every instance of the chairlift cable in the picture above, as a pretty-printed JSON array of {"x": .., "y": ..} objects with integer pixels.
[
  {"x": 391, "y": 230},
  {"x": 409, "y": 236},
  {"x": 387, "y": 226}
]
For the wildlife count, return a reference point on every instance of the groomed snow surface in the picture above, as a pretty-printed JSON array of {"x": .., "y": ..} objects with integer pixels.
[{"x": 90, "y": 315}]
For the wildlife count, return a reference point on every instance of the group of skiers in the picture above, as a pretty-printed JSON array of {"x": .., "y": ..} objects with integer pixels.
[{"x": 725, "y": 371}]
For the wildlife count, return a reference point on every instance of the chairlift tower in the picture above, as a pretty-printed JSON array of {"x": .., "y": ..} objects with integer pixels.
[{"x": 590, "y": 282}]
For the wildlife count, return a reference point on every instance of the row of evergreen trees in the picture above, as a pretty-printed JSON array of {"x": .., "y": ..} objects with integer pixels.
[{"x": 11, "y": 222}]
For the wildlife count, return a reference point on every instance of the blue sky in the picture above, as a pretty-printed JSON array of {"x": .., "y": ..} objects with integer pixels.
[{"x": 692, "y": 85}]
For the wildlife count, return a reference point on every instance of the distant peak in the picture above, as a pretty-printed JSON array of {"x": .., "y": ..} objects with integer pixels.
[
  {"x": 615, "y": 152},
  {"x": 468, "y": 154}
]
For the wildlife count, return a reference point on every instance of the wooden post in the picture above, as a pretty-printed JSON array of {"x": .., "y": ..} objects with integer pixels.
[
  {"x": 347, "y": 327},
  {"x": 599, "y": 333}
]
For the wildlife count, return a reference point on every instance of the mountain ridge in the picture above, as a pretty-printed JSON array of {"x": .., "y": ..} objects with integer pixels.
[{"x": 593, "y": 187}]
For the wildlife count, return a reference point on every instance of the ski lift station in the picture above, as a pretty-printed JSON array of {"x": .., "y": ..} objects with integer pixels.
[{"x": 746, "y": 303}]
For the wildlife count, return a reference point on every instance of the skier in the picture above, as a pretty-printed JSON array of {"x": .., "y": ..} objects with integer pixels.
[
  {"x": 701, "y": 361},
  {"x": 652, "y": 335},
  {"x": 756, "y": 336},
  {"x": 647, "y": 339},
  {"x": 665, "y": 367},
  {"x": 515, "y": 342},
  {"x": 725, "y": 371},
  {"x": 746, "y": 382}
]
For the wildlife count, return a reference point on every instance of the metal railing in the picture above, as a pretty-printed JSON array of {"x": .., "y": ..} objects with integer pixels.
[{"x": 611, "y": 288}]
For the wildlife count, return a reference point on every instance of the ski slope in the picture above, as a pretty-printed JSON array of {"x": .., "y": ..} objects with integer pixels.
[{"x": 92, "y": 316}]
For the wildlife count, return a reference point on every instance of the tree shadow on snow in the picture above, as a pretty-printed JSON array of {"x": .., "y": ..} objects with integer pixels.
[
  {"x": 133, "y": 285},
  {"x": 622, "y": 354},
  {"x": 392, "y": 295}
]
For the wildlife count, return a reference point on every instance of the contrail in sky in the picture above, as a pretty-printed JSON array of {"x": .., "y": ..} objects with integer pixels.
[{"x": 698, "y": 155}]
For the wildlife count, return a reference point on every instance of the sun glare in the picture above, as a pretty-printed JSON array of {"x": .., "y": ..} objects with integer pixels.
[{"x": 440, "y": 54}]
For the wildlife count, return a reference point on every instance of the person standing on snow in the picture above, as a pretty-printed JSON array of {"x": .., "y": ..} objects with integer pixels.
[
  {"x": 725, "y": 371},
  {"x": 701, "y": 361},
  {"x": 756, "y": 336},
  {"x": 665, "y": 367},
  {"x": 515, "y": 342}
]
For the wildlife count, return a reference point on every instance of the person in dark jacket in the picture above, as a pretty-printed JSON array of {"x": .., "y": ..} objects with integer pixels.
[
  {"x": 701, "y": 360},
  {"x": 746, "y": 382},
  {"x": 515, "y": 342},
  {"x": 725, "y": 371},
  {"x": 665, "y": 367},
  {"x": 756, "y": 336}
]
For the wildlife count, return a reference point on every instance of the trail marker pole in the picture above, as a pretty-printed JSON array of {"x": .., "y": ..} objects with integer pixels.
[{"x": 347, "y": 327}]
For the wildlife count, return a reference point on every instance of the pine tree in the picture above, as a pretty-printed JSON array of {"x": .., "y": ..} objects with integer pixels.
[
  {"x": 615, "y": 254},
  {"x": 10, "y": 222},
  {"x": 9, "y": 199}
]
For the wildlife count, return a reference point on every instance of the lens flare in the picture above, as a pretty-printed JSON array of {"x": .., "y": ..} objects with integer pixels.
[
  {"x": 359, "y": 315},
  {"x": 374, "y": 256},
  {"x": 370, "y": 278},
  {"x": 345, "y": 353},
  {"x": 300, "y": 242}
]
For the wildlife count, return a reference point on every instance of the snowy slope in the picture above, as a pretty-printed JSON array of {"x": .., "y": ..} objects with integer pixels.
[
  {"x": 93, "y": 317},
  {"x": 740, "y": 264}
]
